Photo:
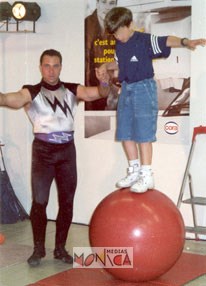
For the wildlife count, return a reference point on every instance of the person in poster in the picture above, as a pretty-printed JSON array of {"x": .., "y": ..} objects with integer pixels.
[{"x": 99, "y": 49}]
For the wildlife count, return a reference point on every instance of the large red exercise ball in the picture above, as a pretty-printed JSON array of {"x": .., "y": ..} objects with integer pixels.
[{"x": 150, "y": 223}]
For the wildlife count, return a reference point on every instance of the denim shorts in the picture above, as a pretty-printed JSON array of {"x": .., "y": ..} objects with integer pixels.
[{"x": 137, "y": 112}]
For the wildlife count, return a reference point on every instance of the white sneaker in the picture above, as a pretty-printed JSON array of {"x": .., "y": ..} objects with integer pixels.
[
  {"x": 145, "y": 182},
  {"x": 130, "y": 179}
]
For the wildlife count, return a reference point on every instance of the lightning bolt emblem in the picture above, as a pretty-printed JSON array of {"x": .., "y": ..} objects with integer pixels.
[
  {"x": 64, "y": 108},
  {"x": 65, "y": 137}
]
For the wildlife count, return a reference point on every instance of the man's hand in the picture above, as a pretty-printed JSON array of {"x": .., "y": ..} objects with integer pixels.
[{"x": 102, "y": 74}]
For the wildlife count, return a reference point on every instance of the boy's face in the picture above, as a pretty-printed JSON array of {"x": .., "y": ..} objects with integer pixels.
[{"x": 123, "y": 34}]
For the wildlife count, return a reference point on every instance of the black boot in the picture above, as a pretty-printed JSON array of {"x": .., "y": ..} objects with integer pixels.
[
  {"x": 61, "y": 254},
  {"x": 35, "y": 258},
  {"x": 38, "y": 222}
]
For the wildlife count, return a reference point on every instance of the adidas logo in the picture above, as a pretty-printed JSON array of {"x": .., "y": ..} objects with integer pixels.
[{"x": 133, "y": 59}]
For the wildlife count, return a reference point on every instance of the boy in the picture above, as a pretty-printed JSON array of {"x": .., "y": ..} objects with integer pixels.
[{"x": 138, "y": 107}]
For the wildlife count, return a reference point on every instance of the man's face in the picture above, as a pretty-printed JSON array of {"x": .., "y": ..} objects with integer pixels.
[
  {"x": 104, "y": 6},
  {"x": 50, "y": 69}
]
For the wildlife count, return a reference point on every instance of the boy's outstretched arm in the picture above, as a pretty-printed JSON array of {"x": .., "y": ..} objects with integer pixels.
[{"x": 176, "y": 42}]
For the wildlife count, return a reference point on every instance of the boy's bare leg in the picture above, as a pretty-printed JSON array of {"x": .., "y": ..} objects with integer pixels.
[
  {"x": 145, "y": 180},
  {"x": 130, "y": 148},
  {"x": 146, "y": 153}
]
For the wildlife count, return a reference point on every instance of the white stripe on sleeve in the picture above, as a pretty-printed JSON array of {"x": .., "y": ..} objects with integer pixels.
[{"x": 155, "y": 45}]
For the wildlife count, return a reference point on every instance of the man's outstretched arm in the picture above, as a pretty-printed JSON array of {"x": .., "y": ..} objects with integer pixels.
[{"x": 15, "y": 100}]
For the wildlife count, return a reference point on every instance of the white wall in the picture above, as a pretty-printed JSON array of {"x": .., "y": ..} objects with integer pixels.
[
  {"x": 198, "y": 106},
  {"x": 100, "y": 162}
]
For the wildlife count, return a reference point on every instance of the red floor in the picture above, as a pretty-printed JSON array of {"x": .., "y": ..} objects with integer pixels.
[{"x": 187, "y": 268}]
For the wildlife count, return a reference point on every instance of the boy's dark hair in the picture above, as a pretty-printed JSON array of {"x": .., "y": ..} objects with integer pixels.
[
  {"x": 117, "y": 17},
  {"x": 51, "y": 53}
]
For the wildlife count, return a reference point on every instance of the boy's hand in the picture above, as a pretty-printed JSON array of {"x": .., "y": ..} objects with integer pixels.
[{"x": 192, "y": 44}]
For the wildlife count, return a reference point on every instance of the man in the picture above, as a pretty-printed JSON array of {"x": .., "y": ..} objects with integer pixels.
[
  {"x": 99, "y": 48},
  {"x": 50, "y": 106}
]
